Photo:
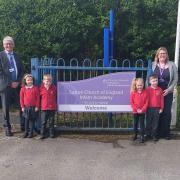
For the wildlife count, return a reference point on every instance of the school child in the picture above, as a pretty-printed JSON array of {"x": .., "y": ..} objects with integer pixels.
[
  {"x": 29, "y": 101},
  {"x": 139, "y": 103},
  {"x": 48, "y": 96},
  {"x": 155, "y": 107}
]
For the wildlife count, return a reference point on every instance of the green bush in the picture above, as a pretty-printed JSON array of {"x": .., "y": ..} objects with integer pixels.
[{"x": 74, "y": 28}]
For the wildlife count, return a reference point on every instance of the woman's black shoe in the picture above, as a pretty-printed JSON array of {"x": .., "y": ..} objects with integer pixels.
[
  {"x": 25, "y": 135},
  {"x": 167, "y": 137}
]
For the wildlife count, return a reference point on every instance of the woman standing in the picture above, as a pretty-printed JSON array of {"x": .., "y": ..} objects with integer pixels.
[{"x": 167, "y": 79}]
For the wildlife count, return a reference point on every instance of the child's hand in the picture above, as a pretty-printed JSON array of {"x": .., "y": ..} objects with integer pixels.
[
  {"x": 22, "y": 109},
  {"x": 36, "y": 109},
  {"x": 160, "y": 111},
  {"x": 14, "y": 84},
  {"x": 139, "y": 110}
]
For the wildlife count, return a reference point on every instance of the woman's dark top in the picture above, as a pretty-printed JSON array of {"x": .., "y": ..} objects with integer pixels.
[{"x": 163, "y": 77}]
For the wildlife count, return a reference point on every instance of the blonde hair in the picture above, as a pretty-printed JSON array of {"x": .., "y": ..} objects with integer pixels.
[
  {"x": 48, "y": 76},
  {"x": 133, "y": 84},
  {"x": 8, "y": 38},
  {"x": 156, "y": 59}
]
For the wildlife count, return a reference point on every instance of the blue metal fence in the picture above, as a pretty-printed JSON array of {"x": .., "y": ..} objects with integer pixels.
[{"x": 72, "y": 70}]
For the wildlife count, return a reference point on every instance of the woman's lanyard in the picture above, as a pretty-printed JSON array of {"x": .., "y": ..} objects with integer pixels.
[{"x": 161, "y": 70}]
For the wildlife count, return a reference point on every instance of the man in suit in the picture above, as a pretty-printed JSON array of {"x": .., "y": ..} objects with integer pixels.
[{"x": 11, "y": 73}]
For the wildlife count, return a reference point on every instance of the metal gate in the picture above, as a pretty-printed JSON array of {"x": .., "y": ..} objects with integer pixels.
[{"x": 74, "y": 69}]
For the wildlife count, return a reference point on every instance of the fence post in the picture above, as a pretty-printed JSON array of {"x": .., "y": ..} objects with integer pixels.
[
  {"x": 111, "y": 33},
  {"x": 106, "y": 47},
  {"x": 34, "y": 69},
  {"x": 149, "y": 71}
]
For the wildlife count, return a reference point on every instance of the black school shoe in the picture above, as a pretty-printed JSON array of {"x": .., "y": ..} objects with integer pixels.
[
  {"x": 25, "y": 135},
  {"x": 42, "y": 136},
  {"x": 142, "y": 139},
  {"x": 30, "y": 136},
  {"x": 168, "y": 137},
  {"x": 9, "y": 133},
  {"x": 52, "y": 135},
  {"x": 134, "y": 137},
  {"x": 148, "y": 137},
  {"x": 155, "y": 138}
]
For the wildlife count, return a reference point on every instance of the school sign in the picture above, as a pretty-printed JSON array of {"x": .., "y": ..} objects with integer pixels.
[{"x": 106, "y": 93}]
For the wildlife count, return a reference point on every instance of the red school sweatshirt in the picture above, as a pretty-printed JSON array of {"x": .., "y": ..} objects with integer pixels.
[
  {"x": 156, "y": 98},
  {"x": 48, "y": 97},
  {"x": 29, "y": 97},
  {"x": 139, "y": 100}
]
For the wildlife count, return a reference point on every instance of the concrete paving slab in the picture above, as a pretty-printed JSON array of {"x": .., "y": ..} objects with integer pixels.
[{"x": 70, "y": 158}]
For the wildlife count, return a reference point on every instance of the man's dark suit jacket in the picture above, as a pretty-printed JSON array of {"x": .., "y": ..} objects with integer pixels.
[{"x": 4, "y": 70}]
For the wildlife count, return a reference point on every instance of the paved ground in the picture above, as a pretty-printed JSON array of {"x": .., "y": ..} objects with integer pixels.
[
  {"x": 87, "y": 157},
  {"x": 74, "y": 157}
]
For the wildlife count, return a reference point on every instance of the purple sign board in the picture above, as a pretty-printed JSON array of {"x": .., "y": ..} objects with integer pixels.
[{"x": 106, "y": 93}]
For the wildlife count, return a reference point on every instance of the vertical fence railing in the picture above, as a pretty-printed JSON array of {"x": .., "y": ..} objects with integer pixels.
[{"x": 72, "y": 70}]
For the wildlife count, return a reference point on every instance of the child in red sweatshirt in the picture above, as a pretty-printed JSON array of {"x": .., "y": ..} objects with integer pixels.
[
  {"x": 155, "y": 107},
  {"x": 29, "y": 101},
  {"x": 139, "y": 103},
  {"x": 48, "y": 96}
]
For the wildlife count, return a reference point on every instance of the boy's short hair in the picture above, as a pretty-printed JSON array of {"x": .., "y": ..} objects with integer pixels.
[
  {"x": 47, "y": 76},
  {"x": 153, "y": 76}
]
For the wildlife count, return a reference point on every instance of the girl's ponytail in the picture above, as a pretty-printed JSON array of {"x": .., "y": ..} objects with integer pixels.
[{"x": 133, "y": 84}]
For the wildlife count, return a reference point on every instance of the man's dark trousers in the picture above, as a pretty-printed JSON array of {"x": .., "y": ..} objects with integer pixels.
[{"x": 8, "y": 97}]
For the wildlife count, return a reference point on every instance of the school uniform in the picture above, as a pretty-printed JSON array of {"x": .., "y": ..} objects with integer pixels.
[
  {"x": 29, "y": 100},
  {"x": 48, "y": 98},
  {"x": 156, "y": 102},
  {"x": 139, "y": 100}
]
